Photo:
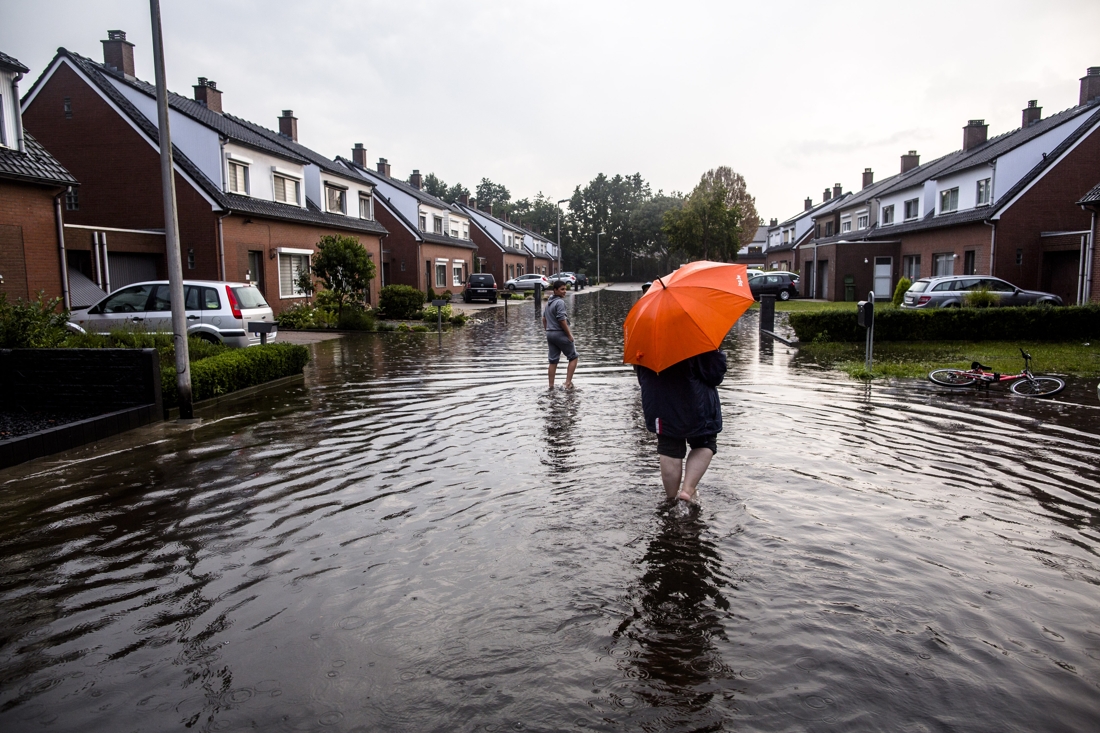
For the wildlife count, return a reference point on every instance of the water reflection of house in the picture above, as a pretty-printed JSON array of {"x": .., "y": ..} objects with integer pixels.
[
  {"x": 430, "y": 243},
  {"x": 504, "y": 261},
  {"x": 1006, "y": 206},
  {"x": 34, "y": 187},
  {"x": 252, "y": 203}
]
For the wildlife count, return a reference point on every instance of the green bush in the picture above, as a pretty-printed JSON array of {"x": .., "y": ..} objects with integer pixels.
[
  {"x": 235, "y": 369},
  {"x": 429, "y": 296},
  {"x": 299, "y": 315},
  {"x": 164, "y": 343},
  {"x": 400, "y": 301},
  {"x": 421, "y": 328},
  {"x": 403, "y": 327},
  {"x": 980, "y": 298},
  {"x": 899, "y": 292},
  {"x": 32, "y": 324},
  {"x": 356, "y": 318},
  {"x": 430, "y": 311},
  {"x": 459, "y": 319},
  {"x": 1024, "y": 323},
  {"x": 386, "y": 327}
]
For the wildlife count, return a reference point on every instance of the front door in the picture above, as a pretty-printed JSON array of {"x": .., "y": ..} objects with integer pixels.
[
  {"x": 256, "y": 269},
  {"x": 884, "y": 267},
  {"x": 822, "y": 279}
]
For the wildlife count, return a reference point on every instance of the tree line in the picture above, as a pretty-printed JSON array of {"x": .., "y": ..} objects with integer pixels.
[{"x": 641, "y": 234}]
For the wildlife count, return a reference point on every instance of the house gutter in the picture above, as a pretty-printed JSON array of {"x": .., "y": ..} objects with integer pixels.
[{"x": 61, "y": 248}]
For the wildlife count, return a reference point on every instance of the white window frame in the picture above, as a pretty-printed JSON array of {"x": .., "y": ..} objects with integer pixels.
[
  {"x": 846, "y": 223},
  {"x": 456, "y": 272},
  {"x": 437, "y": 224},
  {"x": 916, "y": 209},
  {"x": 288, "y": 177},
  {"x": 343, "y": 210},
  {"x": 887, "y": 215},
  {"x": 369, "y": 200},
  {"x": 297, "y": 254},
  {"x": 940, "y": 258},
  {"x": 862, "y": 221},
  {"x": 985, "y": 187},
  {"x": 465, "y": 231},
  {"x": 423, "y": 222},
  {"x": 951, "y": 196},
  {"x": 243, "y": 166},
  {"x": 441, "y": 273}
]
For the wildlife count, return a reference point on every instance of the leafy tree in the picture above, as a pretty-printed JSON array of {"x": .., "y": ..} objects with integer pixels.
[
  {"x": 539, "y": 214},
  {"x": 32, "y": 324},
  {"x": 707, "y": 226},
  {"x": 433, "y": 186},
  {"x": 493, "y": 194},
  {"x": 604, "y": 205},
  {"x": 737, "y": 194},
  {"x": 653, "y": 249},
  {"x": 453, "y": 193},
  {"x": 345, "y": 269}
]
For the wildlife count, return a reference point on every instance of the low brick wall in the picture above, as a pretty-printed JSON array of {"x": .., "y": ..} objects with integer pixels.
[{"x": 122, "y": 384}]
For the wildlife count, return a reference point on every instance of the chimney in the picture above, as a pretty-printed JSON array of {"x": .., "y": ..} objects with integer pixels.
[
  {"x": 359, "y": 155},
  {"x": 809, "y": 203},
  {"x": 974, "y": 134},
  {"x": 288, "y": 125},
  {"x": 1090, "y": 84},
  {"x": 1032, "y": 114},
  {"x": 384, "y": 167},
  {"x": 827, "y": 195},
  {"x": 118, "y": 53},
  {"x": 473, "y": 204},
  {"x": 208, "y": 95},
  {"x": 464, "y": 199},
  {"x": 909, "y": 161},
  {"x": 774, "y": 223},
  {"x": 415, "y": 180},
  {"x": 837, "y": 190},
  {"x": 868, "y": 177}
]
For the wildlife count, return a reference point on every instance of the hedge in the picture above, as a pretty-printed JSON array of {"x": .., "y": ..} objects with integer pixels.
[
  {"x": 235, "y": 369},
  {"x": 400, "y": 301},
  {"x": 1025, "y": 323}
]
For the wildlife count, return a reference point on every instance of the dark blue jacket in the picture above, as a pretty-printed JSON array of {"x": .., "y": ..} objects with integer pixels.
[{"x": 681, "y": 401}]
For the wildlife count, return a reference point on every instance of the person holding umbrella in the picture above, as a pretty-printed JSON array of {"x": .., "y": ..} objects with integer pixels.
[
  {"x": 671, "y": 336},
  {"x": 559, "y": 337}
]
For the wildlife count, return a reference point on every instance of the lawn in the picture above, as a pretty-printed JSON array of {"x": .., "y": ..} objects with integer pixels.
[{"x": 798, "y": 306}]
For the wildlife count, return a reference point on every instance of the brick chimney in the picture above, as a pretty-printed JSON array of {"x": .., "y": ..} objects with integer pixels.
[
  {"x": 827, "y": 195},
  {"x": 1032, "y": 114},
  {"x": 384, "y": 167},
  {"x": 837, "y": 190},
  {"x": 473, "y": 203},
  {"x": 909, "y": 161},
  {"x": 415, "y": 180},
  {"x": 868, "y": 177},
  {"x": 464, "y": 199},
  {"x": 208, "y": 95},
  {"x": 809, "y": 203},
  {"x": 974, "y": 134},
  {"x": 774, "y": 223},
  {"x": 359, "y": 155},
  {"x": 1090, "y": 84},
  {"x": 118, "y": 53},
  {"x": 288, "y": 125}
]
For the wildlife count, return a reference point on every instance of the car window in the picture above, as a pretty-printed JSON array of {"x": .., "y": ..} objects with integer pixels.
[
  {"x": 250, "y": 297},
  {"x": 946, "y": 285},
  {"x": 972, "y": 284},
  {"x": 130, "y": 300},
  {"x": 918, "y": 287},
  {"x": 773, "y": 279},
  {"x": 162, "y": 299},
  {"x": 191, "y": 297},
  {"x": 210, "y": 299},
  {"x": 997, "y": 286}
]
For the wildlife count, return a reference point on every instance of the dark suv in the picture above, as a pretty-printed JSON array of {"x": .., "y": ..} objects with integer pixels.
[
  {"x": 480, "y": 285},
  {"x": 780, "y": 283}
]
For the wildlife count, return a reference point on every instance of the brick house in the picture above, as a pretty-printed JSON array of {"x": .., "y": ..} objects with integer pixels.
[
  {"x": 785, "y": 239},
  {"x": 507, "y": 237},
  {"x": 252, "y": 203},
  {"x": 540, "y": 252},
  {"x": 429, "y": 244},
  {"x": 1091, "y": 270},
  {"x": 502, "y": 261},
  {"x": 32, "y": 186}
]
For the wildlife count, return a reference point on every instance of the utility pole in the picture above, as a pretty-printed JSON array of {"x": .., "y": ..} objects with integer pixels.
[
  {"x": 563, "y": 201},
  {"x": 171, "y": 223}
]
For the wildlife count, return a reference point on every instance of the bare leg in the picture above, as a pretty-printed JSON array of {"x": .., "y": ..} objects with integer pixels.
[
  {"x": 672, "y": 470},
  {"x": 569, "y": 373},
  {"x": 698, "y": 461},
  {"x": 550, "y": 372}
]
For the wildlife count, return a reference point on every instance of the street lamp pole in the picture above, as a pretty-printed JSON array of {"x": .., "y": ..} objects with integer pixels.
[
  {"x": 563, "y": 201},
  {"x": 598, "y": 256}
]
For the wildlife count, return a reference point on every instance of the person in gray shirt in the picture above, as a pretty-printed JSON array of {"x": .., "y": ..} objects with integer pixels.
[{"x": 559, "y": 337}]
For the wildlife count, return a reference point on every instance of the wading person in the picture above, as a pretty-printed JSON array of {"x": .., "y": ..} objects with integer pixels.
[
  {"x": 559, "y": 337},
  {"x": 681, "y": 406}
]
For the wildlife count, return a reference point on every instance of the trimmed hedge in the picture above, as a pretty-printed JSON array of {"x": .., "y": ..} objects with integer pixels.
[
  {"x": 1027, "y": 323},
  {"x": 400, "y": 301},
  {"x": 235, "y": 369}
]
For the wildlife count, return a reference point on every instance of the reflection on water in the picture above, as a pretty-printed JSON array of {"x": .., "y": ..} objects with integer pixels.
[{"x": 422, "y": 537}]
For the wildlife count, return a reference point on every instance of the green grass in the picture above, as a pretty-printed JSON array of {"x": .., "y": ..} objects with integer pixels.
[
  {"x": 915, "y": 359},
  {"x": 800, "y": 306}
]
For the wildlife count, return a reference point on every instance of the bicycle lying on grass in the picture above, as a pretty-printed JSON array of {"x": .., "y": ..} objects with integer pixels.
[{"x": 1025, "y": 383}]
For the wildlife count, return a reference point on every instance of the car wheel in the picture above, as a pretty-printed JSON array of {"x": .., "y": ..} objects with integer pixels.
[
  {"x": 494, "y": 300},
  {"x": 510, "y": 286},
  {"x": 208, "y": 338},
  {"x": 784, "y": 294}
]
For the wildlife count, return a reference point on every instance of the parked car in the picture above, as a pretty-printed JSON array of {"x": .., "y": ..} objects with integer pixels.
[
  {"x": 480, "y": 285},
  {"x": 783, "y": 285},
  {"x": 580, "y": 279},
  {"x": 218, "y": 312},
  {"x": 753, "y": 272},
  {"x": 950, "y": 292},
  {"x": 566, "y": 276},
  {"x": 527, "y": 282}
]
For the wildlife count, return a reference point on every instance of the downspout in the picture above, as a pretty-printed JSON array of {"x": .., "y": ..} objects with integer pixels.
[
  {"x": 1089, "y": 259},
  {"x": 19, "y": 141},
  {"x": 106, "y": 266},
  {"x": 992, "y": 245},
  {"x": 96, "y": 269},
  {"x": 221, "y": 243},
  {"x": 61, "y": 251},
  {"x": 992, "y": 200},
  {"x": 1082, "y": 260}
]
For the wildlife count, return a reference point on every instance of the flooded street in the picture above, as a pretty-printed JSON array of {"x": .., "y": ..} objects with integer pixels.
[{"x": 421, "y": 537}]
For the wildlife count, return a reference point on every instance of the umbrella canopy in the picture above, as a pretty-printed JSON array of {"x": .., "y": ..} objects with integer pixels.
[{"x": 686, "y": 313}]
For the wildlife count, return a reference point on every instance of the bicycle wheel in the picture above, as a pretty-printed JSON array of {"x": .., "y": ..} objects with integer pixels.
[
  {"x": 1038, "y": 386},
  {"x": 953, "y": 378}
]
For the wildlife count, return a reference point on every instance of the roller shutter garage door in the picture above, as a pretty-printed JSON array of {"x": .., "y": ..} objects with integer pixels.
[{"x": 126, "y": 268}]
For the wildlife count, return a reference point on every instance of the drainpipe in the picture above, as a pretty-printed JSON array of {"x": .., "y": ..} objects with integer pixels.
[
  {"x": 1082, "y": 259},
  {"x": 106, "y": 266},
  {"x": 19, "y": 141},
  {"x": 992, "y": 245},
  {"x": 1089, "y": 259},
  {"x": 221, "y": 243},
  {"x": 96, "y": 269},
  {"x": 61, "y": 250}
]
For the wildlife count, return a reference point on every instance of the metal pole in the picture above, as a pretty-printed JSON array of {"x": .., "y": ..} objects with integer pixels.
[
  {"x": 171, "y": 223},
  {"x": 562, "y": 201},
  {"x": 870, "y": 333},
  {"x": 598, "y": 257}
]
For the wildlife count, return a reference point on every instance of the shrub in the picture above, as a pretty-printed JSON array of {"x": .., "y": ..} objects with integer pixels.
[
  {"x": 403, "y": 327},
  {"x": 430, "y": 313},
  {"x": 899, "y": 292},
  {"x": 356, "y": 318},
  {"x": 235, "y": 369},
  {"x": 421, "y": 328},
  {"x": 386, "y": 327},
  {"x": 459, "y": 319},
  {"x": 400, "y": 301},
  {"x": 32, "y": 324},
  {"x": 299, "y": 315},
  {"x": 980, "y": 298},
  {"x": 429, "y": 296},
  {"x": 446, "y": 295}
]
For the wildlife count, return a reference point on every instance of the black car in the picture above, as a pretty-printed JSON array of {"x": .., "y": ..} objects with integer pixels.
[
  {"x": 783, "y": 285},
  {"x": 480, "y": 285}
]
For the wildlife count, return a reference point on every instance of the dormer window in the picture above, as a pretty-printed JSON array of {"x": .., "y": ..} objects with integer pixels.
[
  {"x": 949, "y": 200},
  {"x": 861, "y": 221},
  {"x": 887, "y": 215},
  {"x": 912, "y": 209},
  {"x": 983, "y": 191},
  {"x": 454, "y": 230},
  {"x": 465, "y": 231},
  {"x": 423, "y": 223},
  {"x": 437, "y": 224},
  {"x": 286, "y": 190},
  {"x": 336, "y": 200},
  {"x": 237, "y": 177},
  {"x": 366, "y": 206}
]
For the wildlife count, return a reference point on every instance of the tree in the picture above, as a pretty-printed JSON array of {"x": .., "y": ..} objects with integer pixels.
[
  {"x": 435, "y": 186},
  {"x": 653, "y": 249},
  {"x": 737, "y": 194},
  {"x": 493, "y": 194},
  {"x": 707, "y": 226},
  {"x": 344, "y": 268},
  {"x": 604, "y": 205}
]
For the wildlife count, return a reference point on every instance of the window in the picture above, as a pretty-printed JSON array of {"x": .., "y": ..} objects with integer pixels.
[
  {"x": 190, "y": 259},
  {"x": 291, "y": 267},
  {"x": 67, "y": 107},
  {"x": 1019, "y": 257},
  {"x": 441, "y": 274},
  {"x": 286, "y": 190},
  {"x": 72, "y": 200},
  {"x": 3, "y": 136},
  {"x": 910, "y": 267},
  {"x": 969, "y": 262},
  {"x": 828, "y": 230},
  {"x": 437, "y": 224},
  {"x": 887, "y": 215},
  {"x": 912, "y": 209},
  {"x": 845, "y": 225},
  {"x": 454, "y": 230},
  {"x": 130, "y": 300},
  {"x": 402, "y": 265},
  {"x": 861, "y": 221},
  {"x": 983, "y": 192},
  {"x": 456, "y": 272},
  {"x": 336, "y": 200},
  {"x": 366, "y": 206},
  {"x": 817, "y": 230},
  {"x": 949, "y": 200},
  {"x": 465, "y": 231},
  {"x": 237, "y": 181},
  {"x": 423, "y": 223},
  {"x": 943, "y": 264}
]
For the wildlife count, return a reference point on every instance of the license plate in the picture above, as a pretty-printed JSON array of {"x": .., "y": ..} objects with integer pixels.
[{"x": 482, "y": 292}]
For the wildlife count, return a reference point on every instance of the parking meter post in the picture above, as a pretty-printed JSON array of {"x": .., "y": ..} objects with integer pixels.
[{"x": 767, "y": 313}]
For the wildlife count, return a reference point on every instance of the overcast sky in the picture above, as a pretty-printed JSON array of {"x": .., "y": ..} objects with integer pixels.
[{"x": 542, "y": 96}]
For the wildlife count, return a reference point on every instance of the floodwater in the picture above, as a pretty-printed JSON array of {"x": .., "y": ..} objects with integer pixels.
[{"x": 421, "y": 537}]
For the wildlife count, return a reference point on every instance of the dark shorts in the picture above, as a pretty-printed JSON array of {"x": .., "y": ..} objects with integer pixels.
[
  {"x": 560, "y": 344},
  {"x": 676, "y": 448}
]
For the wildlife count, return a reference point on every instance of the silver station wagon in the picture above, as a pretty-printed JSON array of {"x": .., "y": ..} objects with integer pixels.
[
  {"x": 216, "y": 311},
  {"x": 951, "y": 291}
]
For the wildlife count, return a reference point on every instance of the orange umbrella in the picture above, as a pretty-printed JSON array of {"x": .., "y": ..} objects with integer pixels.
[{"x": 686, "y": 313}]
